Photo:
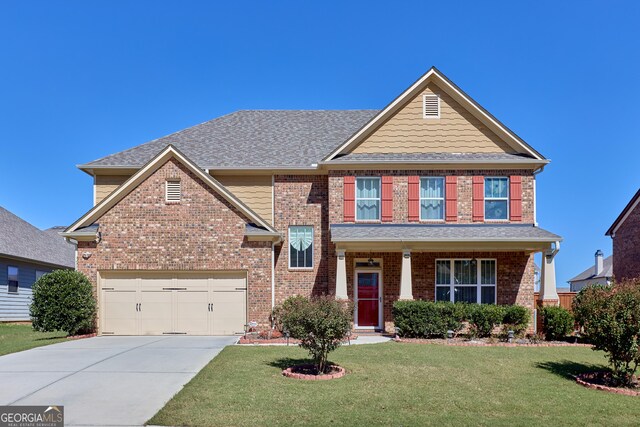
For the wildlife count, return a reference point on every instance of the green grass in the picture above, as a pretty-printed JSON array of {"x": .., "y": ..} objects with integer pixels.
[
  {"x": 400, "y": 385},
  {"x": 22, "y": 337}
]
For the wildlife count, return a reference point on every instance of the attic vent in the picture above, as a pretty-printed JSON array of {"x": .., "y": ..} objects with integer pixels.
[
  {"x": 431, "y": 106},
  {"x": 173, "y": 192}
]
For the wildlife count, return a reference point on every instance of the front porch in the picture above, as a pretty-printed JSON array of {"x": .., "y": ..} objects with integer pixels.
[{"x": 376, "y": 265}]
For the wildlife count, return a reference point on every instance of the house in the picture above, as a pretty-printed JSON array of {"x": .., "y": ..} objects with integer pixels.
[
  {"x": 625, "y": 233},
  {"x": 26, "y": 253},
  {"x": 601, "y": 273},
  {"x": 205, "y": 230}
]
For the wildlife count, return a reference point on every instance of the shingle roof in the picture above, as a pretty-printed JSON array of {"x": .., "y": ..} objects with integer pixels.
[
  {"x": 434, "y": 157},
  {"x": 20, "y": 239},
  {"x": 437, "y": 232},
  {"x": 590, "y": 273},
  {"x": 253, "y": 139}
]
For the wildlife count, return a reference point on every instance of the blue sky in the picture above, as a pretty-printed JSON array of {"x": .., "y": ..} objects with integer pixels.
[{"x": 80, "y": 80}]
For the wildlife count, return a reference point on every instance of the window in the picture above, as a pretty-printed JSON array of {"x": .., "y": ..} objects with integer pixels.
[
  {"x": 39, "y": 274},
  {"x": 431, "y": 198},
  {"x": 12, "y": 280},
  {"x": 431, "y": 106},
  {"x": 301, "y": 246},
  {"x": 173, "y": 192},
  {"x": 466, "y": 280},
  {"x": 496, "y": 198},
  {"x": 367, "y": 199}
]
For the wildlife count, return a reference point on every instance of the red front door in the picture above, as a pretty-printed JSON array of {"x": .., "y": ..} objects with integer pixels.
[{"x": 368, "y": 298}]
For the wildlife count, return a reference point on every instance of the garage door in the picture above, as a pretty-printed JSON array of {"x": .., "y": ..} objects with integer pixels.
[{"x": 140, "y": 303}]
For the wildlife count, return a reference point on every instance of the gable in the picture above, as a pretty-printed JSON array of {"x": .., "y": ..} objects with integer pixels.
[{"x": 456, "y": 131}]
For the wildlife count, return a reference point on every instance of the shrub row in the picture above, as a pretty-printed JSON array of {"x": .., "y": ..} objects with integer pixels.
[
  {"x": 420, "y": 319},
  {"x": 558, "y": 322}
]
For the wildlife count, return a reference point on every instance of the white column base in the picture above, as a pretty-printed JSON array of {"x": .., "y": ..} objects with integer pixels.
[
  {"x": 406, "y": 287},
  {"x": 341, "y": 275},
  {"x": 548, "y": 290}
]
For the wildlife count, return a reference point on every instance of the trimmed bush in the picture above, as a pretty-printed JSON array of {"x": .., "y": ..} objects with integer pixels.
[
  {"x": 610, "y": 319},
  {"x": 558, "y": 323},
  {"x": 63, "y": 301},
  {"x": 419, "y": 318},
  {"x": 516, "y": 318},
  {"x": 320, "y": 324},
  {"x": 483, "y": 318}
]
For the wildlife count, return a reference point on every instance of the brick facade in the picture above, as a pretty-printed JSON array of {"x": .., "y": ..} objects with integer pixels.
[
  {"x": 401, "y": 195},
  {"x": 202, "y": 232},
  {"x": 626, "y": 247}
]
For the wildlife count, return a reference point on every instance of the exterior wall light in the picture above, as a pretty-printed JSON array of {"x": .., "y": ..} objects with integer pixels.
[{"x": 449, "y": 334}]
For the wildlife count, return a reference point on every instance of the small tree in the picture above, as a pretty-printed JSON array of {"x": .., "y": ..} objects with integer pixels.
[
  {"x": 63, "y": 301},
  {"x": 320, "y": 324},
  {"x": 610, "y": 318}
]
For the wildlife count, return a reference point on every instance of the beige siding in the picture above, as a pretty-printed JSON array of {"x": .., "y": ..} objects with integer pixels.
[
  {"x": 455, "y": 131},
  {"x": 106, "y": 184},
  {"x": 253, "y": 190}
]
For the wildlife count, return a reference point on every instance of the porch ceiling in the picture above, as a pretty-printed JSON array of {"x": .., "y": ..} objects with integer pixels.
[{"x": 442, "y": 237}]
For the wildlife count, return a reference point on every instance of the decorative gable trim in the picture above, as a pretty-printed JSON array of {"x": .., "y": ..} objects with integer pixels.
[
  {"x": 457, "y": 94},
  {"x": 143, "y": 173}
]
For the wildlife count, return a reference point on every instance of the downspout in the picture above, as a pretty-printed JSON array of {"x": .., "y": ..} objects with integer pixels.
[
  {"x": 273, "y": 275},
  {"x": 535, "y": 196},
  {"x": 75, "y": 245}
]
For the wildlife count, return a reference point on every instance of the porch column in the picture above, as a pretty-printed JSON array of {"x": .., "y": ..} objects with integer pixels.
[
  {"x": 406, "y": 289},
  {"x": 341, "y": 275},
  {"x": 548, "y": 293}
]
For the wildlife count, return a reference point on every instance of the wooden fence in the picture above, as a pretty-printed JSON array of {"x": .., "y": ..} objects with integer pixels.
[{"x": 566, "y": 299}]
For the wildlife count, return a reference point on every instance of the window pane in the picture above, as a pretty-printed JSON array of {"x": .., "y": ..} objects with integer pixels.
[
  {"x": 466, "y": 294},
  {"x": 308, "y": 257},
  {"x": 443, "y": 272},
  {"x": 443, "y": 293},
  {"x": 432, "y": 209},
  {"x": 495, "y": 209},
  {"x": 368, "y": 188},
  {"x": 368, "y": 210},
  {"x": 12, "y": 280},
  {"x": 12, "y": 273},
  {"x": 495, "y": 187},
  {"x": 465, "y": 272},
  {"x": 488, "y": 295},
  {"x": 488, "y": 272},
  {"x": 431, "y": 188}
]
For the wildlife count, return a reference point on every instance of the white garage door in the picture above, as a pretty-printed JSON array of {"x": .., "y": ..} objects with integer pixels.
[{"x": 140, "y": 303}]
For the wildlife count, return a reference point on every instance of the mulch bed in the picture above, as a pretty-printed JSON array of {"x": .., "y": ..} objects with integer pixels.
[
  {"x": 79, "y": 337},
  {"x": 309, "y": 372},
  {"x": 464, "y": 342},
  {"x": 602, "y": 381},
  {"x": 266, "y": 341}
]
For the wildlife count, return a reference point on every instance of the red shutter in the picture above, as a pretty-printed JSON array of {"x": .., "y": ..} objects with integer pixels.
[
  {"x": 515, "y": 194},
  {"x": 387, "y": 198},
  {"x": 349, "y": 205},
  {"x": 451, "y": 198},
  {"x": 478, "y": 198},
  {"x": 414, "y": 198}
]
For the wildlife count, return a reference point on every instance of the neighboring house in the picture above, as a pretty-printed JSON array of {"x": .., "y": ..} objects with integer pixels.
[
  {"x": 625, "y": 233},
  {"x": 205, "y": 230},
  {"x": 601, "y": 273},
  {"x": 26, "y": 253}
]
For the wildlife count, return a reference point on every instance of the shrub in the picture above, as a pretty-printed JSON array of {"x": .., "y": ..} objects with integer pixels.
[
  {"x": 516, "y": 318},
  {"x": 483, "y": 318},
  {"x": 610, "y": 319},
  {"x": 320, "y": 324},
  {"x": 63, "y": 301},
  {"x": 557, "y": 322},
  {"x": 421, "y": 318}
]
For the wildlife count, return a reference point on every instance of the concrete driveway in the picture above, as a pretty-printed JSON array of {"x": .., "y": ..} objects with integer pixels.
[{"x": 106, "y": 380}]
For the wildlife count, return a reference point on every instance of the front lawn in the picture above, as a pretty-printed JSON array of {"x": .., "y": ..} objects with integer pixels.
[
  {"x": 401, "y": 384},
  {"x": 22, "y": 337}
]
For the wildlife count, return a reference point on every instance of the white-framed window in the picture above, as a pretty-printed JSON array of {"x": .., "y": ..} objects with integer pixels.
[
  {"x": 301, "y": 246},
  {"x": 496, "y": 198},
  {"x": 432, "y": 198},
  {"x": 431, "y": 106},
  {"x": 466, "y": 280},
  {"x": 368, "y": 199},
  {"x": 12, "y": 279},
  {"x": 39, "y": 274},
  {"x": 173, "y": 191}
]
